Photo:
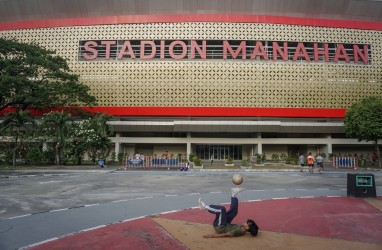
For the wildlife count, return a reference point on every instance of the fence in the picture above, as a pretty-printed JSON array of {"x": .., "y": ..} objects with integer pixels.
[
  {"x": 154, "y": 162},
  {"x": 345, "y": 162}
]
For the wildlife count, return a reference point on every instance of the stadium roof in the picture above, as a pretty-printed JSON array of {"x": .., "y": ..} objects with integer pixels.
[{"x": 355, "y": 10}]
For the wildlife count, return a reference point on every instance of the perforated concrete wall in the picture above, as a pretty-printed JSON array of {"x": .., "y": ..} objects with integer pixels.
[{"x": 217, "y": 83}]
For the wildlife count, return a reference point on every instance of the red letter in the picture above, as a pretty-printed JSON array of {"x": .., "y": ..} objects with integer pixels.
[
  {"x": 357, "y": 52},
  {"x": 297, "y": 54},
  {"x": 129, "y": 52},
  {"x": 341, "y": 53},
  {"x": 202, "y": 52},
  {"x": 318, "y": 52},
  {"x": 89, "y": 49},
  {"x": 108, "y": 44},
  {"x": 277, "y": 49},
  {"x": 184, "y": 50},
  {"x": 227, "y": 46},
  {"x": 259, "y": 46},
  {"x": 153, "y": 50}
]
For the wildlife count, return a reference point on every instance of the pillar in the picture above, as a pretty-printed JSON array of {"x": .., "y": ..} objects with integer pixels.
[
  {"x": 117, "y": 146},
  {"x": 260, "y": 148}
]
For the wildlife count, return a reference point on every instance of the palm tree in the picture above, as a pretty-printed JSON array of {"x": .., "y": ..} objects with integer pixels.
[
  {"x": 58, "y": 121},
  {"x": 16, "y": 124}
]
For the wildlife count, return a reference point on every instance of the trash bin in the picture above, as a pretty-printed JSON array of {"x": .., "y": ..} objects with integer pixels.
[{"x": 361, "y": 185}]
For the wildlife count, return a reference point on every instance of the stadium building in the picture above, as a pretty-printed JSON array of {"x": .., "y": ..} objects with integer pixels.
[{"x": 216, "y": 77}]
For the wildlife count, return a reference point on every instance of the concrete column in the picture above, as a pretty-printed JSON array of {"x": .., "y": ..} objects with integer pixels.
[
  {"x": 254, "y": 149},
  {"x": 188, "y": 144},
  {"x": 117, "y": 146},
  {"x": 259, "y": 145},
  {"x": 330, "y": 149},
  {"x": 188, "y": 149},
  {"x": 329, "y": 145},
  {"x": 260, "y": 148},
  {"x": 116, "y": 149}
]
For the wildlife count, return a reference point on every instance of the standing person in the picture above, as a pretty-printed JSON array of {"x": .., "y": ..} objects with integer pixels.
[
  {"x": 58, "y": 153},
  {"x": 166, "y": 155},
  {"x": 212, "y": 159},
  {"x": 374, "y": 158},
  {"x": 263, "y": 158},
  {"x": 301, "y": 160},
  {"x": 310, "y": 161},
  {"x": 222, "y": 223},
  {"x": 320, "y": 163}
]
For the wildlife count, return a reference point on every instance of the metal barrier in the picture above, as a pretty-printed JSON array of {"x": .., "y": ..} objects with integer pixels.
[
  {"x": 154, "y": 162},
  {"x": 345, "y": 162}
]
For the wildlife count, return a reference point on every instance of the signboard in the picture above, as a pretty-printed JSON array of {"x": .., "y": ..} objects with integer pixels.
[
  {"x": 135, "y": 161},
  {"x": 104, "y": 50}
]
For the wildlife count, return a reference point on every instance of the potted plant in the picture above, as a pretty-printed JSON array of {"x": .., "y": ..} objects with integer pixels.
[
  {"x": 245, "y": 164},
  {"x": 197, "y": 163},
  {"x": 229, "y": 161}
]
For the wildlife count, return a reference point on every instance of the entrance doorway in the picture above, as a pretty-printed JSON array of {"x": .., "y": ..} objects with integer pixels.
[{"x": 219, "y": 152}]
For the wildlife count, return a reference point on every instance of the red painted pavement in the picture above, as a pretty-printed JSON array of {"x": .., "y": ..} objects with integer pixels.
[
  {"x": 139, "y": 234},
  {"x": 341, "y": 218},
  {"x": 344, "y": 218}
]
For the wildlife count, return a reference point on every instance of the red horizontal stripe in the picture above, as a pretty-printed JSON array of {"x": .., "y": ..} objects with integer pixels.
[
  {"x": 209, "y": 112},
  {"x": 231, "y": 18},
  {"x": 221, "y": 112}
]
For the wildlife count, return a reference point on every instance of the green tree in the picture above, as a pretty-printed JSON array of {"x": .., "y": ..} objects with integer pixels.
[
  {"x": 34, "y": 77},
  {"x": 17, "y": 125},
  {"x": 89, "y": 135},
  {"x": 55, "y": 128},
  {"x": 98, "y": 138},
  {"x": 76, "y": 143},
  {"x": 363, "y": 121}
]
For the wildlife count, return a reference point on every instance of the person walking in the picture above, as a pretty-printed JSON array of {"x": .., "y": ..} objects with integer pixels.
[
  {"x": 374, "y": 158},
  {"x": 310, "y": 161},
  {"x": 320, "y": 163},
  {"x": 301, "y": 160}
]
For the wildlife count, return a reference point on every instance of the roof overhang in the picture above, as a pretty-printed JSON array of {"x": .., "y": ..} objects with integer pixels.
[{"x": 227, "y": 126}]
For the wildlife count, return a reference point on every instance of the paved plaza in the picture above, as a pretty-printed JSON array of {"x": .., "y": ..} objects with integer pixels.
[{"x": 111, "y": 209}]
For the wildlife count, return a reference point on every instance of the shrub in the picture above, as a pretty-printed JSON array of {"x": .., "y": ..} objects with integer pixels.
[
  {"x": 331, "y": 155},
  {"x": 49, "y": 156},
  {"x": 191, "y": 157},
  {"x": 120, "y": 157},
  {"x": 197, "y": 161},
  {"x": 228, "y": 159},
  {"x": 275, "y": 157},
  {"x": 323, "y": 155},
  {"x": 34, "y": 155},
  {"x": 258, "y": 158},
  {"x": 294, "y": 160},
  {"x": 245, "y": 163},
  {"x": 283, "y": 157}
]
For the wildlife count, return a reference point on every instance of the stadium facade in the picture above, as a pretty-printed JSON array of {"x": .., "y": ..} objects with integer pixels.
[{"x": 216, "y": 78}]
